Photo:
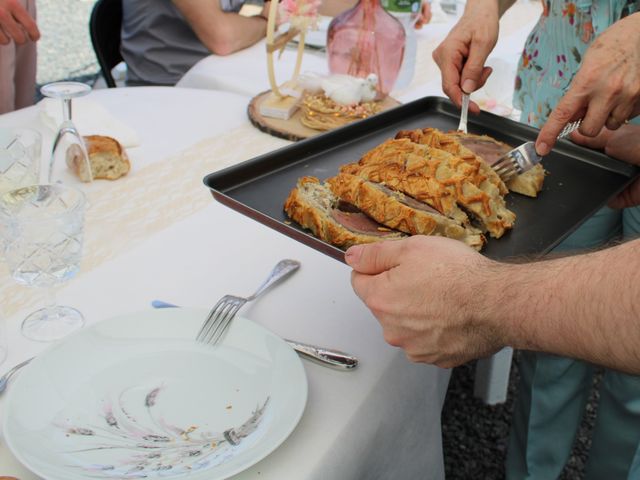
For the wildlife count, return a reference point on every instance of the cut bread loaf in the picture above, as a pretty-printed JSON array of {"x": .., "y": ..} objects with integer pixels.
[
  {"x": 399, "y": 211},
  {"x": 314, "y": 206},
  {"x": 107, "y": 158},
  {"x": 450, "y": 184}
]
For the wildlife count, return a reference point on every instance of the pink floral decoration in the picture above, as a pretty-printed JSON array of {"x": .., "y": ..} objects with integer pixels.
[{"x": 301, "y": 14}]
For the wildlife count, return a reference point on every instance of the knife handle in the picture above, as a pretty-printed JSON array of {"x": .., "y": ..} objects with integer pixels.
[{"x": 326, "y": 356}]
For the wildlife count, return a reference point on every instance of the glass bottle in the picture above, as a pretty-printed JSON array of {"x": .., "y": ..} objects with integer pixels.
[
  {"x": 364, "y": 40},
  {"x": 407, "y": 12}
]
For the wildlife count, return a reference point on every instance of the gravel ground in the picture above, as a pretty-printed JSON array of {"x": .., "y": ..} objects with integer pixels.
[
  {"x": 475, "y": 435},
  {"x": 64, "y": 50}
]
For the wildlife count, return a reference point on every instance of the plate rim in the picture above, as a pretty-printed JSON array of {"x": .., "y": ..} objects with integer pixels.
[{"x": 151, "y": 312}]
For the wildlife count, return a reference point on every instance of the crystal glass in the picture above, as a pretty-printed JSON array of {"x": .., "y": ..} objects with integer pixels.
[
  {"x": 20, "y": 158},
  {"x": 366, "y": 39},
  {"x": 68, "y": 145},
  {"x": 41, "y": 229}
]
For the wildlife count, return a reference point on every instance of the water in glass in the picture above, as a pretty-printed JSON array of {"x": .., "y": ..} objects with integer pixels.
[{"x": 41, "y": 228}]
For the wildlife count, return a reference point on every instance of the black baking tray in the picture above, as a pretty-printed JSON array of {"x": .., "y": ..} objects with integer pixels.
[{"x": 579, "y": 180}]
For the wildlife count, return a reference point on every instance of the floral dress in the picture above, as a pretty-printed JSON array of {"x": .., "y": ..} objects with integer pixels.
[{"x": 553, "y": 52}]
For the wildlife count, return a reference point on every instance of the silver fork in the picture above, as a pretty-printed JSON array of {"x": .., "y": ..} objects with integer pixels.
[
  {"x": 225, "y": 310},
  {"x": 462, "y": 126},
  {"x": 524, "y": 157},
  {"x": 4, "y": 380}
]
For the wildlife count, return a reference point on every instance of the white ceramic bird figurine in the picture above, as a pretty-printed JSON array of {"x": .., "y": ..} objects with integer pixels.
[{"x": 342, "y": 89}]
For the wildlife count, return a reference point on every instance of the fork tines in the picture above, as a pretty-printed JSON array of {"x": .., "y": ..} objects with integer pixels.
[
  {"x": 219, "y": 319},
  {"x": 509, "y": 165}
]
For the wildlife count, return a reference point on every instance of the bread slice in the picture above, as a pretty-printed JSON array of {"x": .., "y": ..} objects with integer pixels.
[
  {"x": 107, "y": 158},
  {"x": 399, "y": 211},
  {"x": 314, "y": 206},
  {"x": 490, "y": 150},
  {"x": 438, "y": 178}
]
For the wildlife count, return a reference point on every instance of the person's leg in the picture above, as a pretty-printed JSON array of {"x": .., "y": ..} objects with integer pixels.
[
  {"x": 551, "y": 397},
  {"x": 552, "y": 391},
  {"x": 7, "y": 78},
  {"x": 25, "y": 67},
  {"x": 616, "y": 435},
  {"x": 634, "y": 471}
]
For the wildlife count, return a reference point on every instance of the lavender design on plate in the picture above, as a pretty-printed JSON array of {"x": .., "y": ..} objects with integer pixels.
[{"x": 146, "y": 446}]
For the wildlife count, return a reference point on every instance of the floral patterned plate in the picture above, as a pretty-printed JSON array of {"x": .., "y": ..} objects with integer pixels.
[{"x": 136, "y": 397}]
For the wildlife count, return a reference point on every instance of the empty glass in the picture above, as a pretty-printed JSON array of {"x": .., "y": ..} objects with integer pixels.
[
  {"x": 20, "y": 158},
  {"x": 68, "y": 145},
  {"x": 41, "y": 227}
]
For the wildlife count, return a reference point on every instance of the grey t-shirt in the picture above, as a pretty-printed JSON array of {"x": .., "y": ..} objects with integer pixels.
[{"x": 158, "y": 44}]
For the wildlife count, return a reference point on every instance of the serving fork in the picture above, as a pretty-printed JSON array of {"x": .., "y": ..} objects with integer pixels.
[
  {"x": 525, "y": 157},
  {"x": 225, "y": 310},
  {"x": 462, "y": 126}
]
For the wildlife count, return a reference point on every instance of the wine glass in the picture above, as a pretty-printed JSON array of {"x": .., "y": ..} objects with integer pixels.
[
  {"x": 41, "y": 228},
  {"x": 68, "y": 143}
]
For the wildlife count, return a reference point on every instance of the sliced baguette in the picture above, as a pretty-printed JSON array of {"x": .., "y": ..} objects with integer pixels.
[{"x": 314, "y": 206}]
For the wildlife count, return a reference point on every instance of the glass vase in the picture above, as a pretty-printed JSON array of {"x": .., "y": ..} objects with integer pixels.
[{"x": 367, "y": 39}]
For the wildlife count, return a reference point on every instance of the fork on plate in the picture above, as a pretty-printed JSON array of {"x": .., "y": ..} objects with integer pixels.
[
  {"x": 524, "y": 157},
  {"x": 225, "y": 310}
]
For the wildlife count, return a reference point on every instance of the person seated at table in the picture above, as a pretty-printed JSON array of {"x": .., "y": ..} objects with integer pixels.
[
  {"x": 18, "y": 36},
  {"x": 163, "y": 39}
]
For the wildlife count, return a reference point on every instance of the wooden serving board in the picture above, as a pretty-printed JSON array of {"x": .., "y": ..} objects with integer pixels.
[{"x": 291, "y": 129}]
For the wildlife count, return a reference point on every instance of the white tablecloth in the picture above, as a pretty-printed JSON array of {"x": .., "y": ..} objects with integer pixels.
[{"x": 157, "y": 234}]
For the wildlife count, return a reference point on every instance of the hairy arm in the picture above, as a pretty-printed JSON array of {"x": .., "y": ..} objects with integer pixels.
[
  {"x": 221, "y": 32},
  {"x": 444, "y": 303},
  {"x": 585, "y": 306}
]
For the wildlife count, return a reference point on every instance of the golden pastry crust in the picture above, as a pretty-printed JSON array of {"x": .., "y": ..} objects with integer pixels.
[
  {"x": 529, "y": 183},
  {"x": 310, "y": 204},
  {"x": 437, "y": 178},
  {"x": 392, "y": 209},
  {"x": 449, "y": 143}
]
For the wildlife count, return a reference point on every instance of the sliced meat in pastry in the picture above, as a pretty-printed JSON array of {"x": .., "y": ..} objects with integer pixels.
[
  {"x": 314, "y": 206},
  {"x": 399, "y": 211},
  {"x": 446, "y": 182}
]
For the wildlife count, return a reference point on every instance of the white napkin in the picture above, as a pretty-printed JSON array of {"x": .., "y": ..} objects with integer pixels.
[{"x": 90, "y": 118}]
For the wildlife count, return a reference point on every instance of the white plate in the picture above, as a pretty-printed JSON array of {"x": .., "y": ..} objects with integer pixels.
[{"x": 136, "y": 397}]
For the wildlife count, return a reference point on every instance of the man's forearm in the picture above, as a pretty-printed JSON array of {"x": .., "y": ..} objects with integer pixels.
[{"x": 586, "y": 306}]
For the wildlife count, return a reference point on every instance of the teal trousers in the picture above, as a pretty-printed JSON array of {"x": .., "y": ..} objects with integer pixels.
[{"x": 553, "y": 392}]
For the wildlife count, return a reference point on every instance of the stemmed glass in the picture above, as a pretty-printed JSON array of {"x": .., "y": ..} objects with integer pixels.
[
  {"x": 68, "y": 143},
  {"x": 41, "y": 228}
]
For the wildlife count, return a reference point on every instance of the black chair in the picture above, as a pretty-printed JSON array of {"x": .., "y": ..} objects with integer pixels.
[{"x": 104, "y": 26}]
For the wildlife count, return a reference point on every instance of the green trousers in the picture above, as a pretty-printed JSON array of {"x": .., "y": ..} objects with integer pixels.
[{"x": 553, "y": 392}]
